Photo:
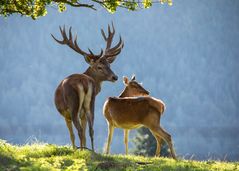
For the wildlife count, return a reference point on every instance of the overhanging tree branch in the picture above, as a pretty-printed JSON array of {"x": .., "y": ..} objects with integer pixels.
[
  {"x": 37, "y": 8},
  {"x": 76, "y": 4}
]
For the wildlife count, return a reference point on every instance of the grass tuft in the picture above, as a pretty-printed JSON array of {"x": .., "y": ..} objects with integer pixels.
[{"x": 42, "y": 156}]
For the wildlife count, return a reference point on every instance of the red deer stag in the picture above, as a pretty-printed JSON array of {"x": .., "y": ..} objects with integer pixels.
[
  {"x": 134, "y": 108},
  {"x": 75, "y": 95}
]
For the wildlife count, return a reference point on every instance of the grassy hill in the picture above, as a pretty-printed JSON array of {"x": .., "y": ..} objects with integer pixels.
[{"x": 41, "y": 156}]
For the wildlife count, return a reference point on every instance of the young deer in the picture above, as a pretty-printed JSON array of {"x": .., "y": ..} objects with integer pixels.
[
  {"x": 75, "y": 95},
  {"x": 134, "y": 108}
]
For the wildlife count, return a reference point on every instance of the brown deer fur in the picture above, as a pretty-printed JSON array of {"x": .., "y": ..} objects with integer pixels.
[
  {"x": 129, "y": 111},
  {"x": 75, "y": 95}
]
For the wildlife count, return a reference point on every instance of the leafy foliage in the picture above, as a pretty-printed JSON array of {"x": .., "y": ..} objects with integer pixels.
[
  {"x": 40, "y": 156},
  {"x": 145, "y": 144},
  {"x": 37, "y": 8}
]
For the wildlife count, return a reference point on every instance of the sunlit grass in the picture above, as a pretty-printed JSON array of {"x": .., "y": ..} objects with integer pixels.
[{"x": 40, "y": 156}]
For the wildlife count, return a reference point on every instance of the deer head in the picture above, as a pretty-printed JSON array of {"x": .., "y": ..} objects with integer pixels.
[
  {"x": 99, "y": 64},
  {"x": 133, "y": 88}
]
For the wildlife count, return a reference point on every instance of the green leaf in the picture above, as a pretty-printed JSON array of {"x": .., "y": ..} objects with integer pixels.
[
  {"x": 61, "y": 7},
  {"x": 147, "y": 3}
]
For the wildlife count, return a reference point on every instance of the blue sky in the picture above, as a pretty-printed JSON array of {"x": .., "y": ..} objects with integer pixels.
[{"x": 187, "y": 55}]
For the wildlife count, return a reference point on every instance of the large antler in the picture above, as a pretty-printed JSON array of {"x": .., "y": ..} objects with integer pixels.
[
  {"x": 114, "y": 51},
  {"x": 74, "y": 45}
]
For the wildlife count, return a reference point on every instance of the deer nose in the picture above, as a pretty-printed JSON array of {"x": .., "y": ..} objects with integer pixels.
[{"x": 114, "y": 77}]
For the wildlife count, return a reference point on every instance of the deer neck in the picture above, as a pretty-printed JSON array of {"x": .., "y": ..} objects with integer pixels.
[
  {"x": 89, "y": 72},
  {"x": 124, "y": 93}
]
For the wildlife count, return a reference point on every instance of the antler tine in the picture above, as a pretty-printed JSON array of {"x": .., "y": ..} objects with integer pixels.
[
  {"x": 109, "y": 31},
  {"x": 116, "y": 50},
  {"x": 96, "y": 56},
  {"x": 78, "y": 49},
  {"x": 73, "y": 44},
  {"x": 59, "y": 41},
  {"x": 90, "y": 51},
  {"x": 63, "y": 33},
  {"x": 120, "y": 45},
  {"x": 103, "y": 34},
  {"x": 110, "y": 36},
  {"x": 113, "y": 28},
  {"x": 110, "y": 52},
  {"x": 70, "y": 35},
  {"x": 113, "y": 54}
]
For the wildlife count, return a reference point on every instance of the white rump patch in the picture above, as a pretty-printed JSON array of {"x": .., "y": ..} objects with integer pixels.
[
  {"x": 81, "y": 95},
  {"x": 88, "y": 97}
]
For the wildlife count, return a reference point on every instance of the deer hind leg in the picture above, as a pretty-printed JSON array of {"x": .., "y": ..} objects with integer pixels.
[
  {"x": 110, "y": 135},
  {"x": 126, "y": 136},
  {"x": 153, "y": 123},
  {"x": 72, "y": 136},
  {"x": 77, "y": 125},
  {"x": 89, "y": 109},
  {"x": 90, "y": 120},
  {"x": 83, "y": 125},
  {"x": 75, "y": 104},
  {"x": 72, "y": 100},
  {"x": 167, "y": 137},
  {"x": 159, "y": 141}
]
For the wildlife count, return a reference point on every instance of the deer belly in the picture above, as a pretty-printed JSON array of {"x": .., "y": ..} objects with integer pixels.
[
  {"x": 122, "y": 121},
  {"x": 127, "y": 126}
]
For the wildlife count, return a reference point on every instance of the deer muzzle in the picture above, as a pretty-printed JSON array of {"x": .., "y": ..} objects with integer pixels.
[{"x": 114, "y": 78}]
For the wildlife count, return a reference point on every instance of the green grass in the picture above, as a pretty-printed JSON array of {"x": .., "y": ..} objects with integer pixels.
[{"x": 40, "y": 156}]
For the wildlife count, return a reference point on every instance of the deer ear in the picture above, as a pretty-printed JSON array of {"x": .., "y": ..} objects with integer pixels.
[
  {"x": 88, "y": 59},
  {"x": 111, "y": 59},
  {"x": 133, "y": 77},
  {"x": 125, "y": 80}
]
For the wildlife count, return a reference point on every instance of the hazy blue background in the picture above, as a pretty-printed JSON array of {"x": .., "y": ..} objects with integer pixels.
[{"x": 187, "y": 55}]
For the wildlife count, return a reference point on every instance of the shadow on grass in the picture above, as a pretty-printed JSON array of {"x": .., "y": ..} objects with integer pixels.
[
  {"x": 8, "y": 163},
  {"x": 114, "y": 162},
  {"x": 52, "y": 157}
]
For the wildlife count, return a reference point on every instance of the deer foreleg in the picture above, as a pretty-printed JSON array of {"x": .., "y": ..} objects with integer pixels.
[
  {"x": 110, "y": 135},
  {"x": 126, "y": 135}
]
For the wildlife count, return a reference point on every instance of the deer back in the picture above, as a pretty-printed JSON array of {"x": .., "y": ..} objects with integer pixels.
[{"x": 132, "y": 110}]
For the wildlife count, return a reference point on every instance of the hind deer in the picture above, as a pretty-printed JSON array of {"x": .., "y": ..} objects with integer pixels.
[
  {"x": 134, "y": 108},
  {"x": 75, "y": 95}
]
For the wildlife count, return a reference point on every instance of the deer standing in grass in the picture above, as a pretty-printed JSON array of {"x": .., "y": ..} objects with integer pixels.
[
  {"x": 134, "y": 108},
  {"x": 75, "y": 95}
]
